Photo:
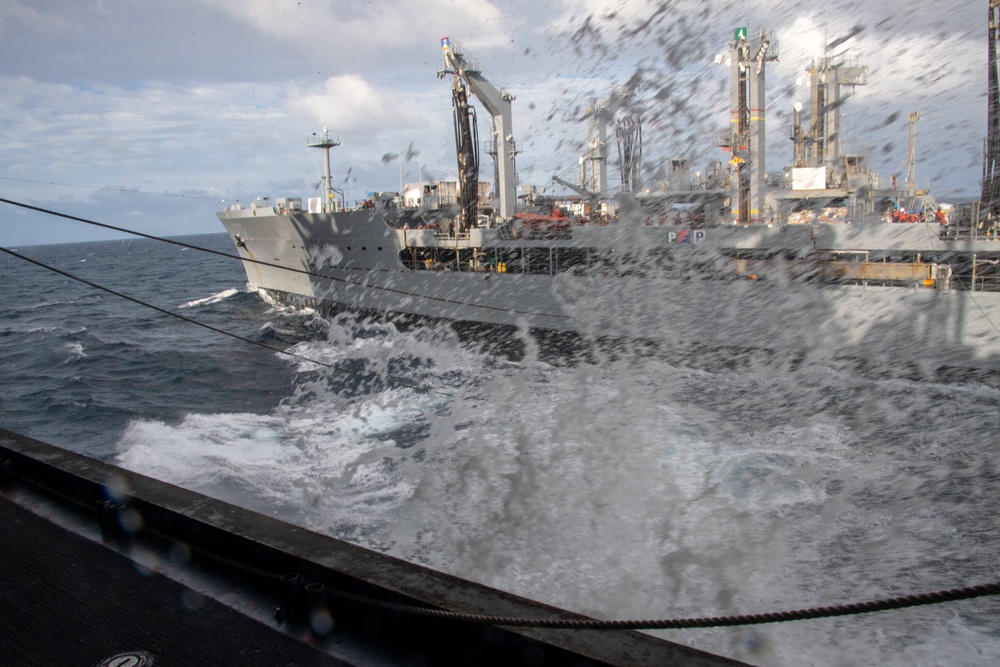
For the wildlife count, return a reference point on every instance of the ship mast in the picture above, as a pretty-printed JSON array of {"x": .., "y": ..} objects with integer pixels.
[
  {"x": 911, "y": 155},
  {"x": 989, "y": 201},
  {"x": 325, "y": 141},
  {"x": 597, "y": 156},
  {"x": 746, "y": 134}
]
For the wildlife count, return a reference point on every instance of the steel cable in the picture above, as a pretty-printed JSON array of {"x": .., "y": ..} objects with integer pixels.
[
  {"x": 847, "y": 609},
  {"x": 340, "y": 369},
  {"x": 810, "y": 613}
]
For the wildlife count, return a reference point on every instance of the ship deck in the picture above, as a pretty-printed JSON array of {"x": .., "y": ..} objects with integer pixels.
[{"x": 197, "y": 581}]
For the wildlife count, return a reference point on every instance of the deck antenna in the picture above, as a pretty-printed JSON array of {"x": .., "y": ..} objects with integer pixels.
[
  {"x": 325, "y": 142},
  {"x": 911, "y": 155},
  {"x": 826, "y": 27},
  {"x": 399, "y": 157},
  {"x": 420, "y": 171}
]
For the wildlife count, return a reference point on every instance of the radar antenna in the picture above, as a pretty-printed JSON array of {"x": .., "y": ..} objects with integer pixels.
[{"x": 325, "y": 142}]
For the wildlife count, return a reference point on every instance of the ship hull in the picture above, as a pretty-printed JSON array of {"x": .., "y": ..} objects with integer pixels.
[{"x": 354, "y": 260}]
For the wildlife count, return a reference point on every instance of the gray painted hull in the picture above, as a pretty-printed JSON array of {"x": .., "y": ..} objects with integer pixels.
[{"x": 353, "y": 259}]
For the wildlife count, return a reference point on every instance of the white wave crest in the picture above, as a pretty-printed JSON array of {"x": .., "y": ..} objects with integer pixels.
[
  {"x": 75, "y": 351},
  {"x": 621, "y": 489},
  {"x": 208, "y": 300}
]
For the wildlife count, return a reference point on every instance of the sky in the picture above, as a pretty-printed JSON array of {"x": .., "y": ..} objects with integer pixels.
[{"x": 148, "y": 115}]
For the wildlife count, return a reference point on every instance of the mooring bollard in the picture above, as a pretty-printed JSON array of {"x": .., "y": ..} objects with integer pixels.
[
  {"x": 291, "y": 598},
  {"x": 320, "y": 620}
]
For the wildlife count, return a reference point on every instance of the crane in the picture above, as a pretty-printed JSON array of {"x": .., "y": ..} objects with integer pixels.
[
  {"x": 498, "y": 103},
  {"x": 467, "y": 145},
  {"x": 746, "y": 136},
  {"x": 629, "y": 134},
  {"x": 578, "y": 189},
  {"x": 911, "y": 157},
  {"x": 597, "y": 156}
]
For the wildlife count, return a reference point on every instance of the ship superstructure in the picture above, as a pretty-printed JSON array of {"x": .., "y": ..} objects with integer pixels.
[
  {"x": 823, "y": 182},
  {"x": 872, "y": 290}
]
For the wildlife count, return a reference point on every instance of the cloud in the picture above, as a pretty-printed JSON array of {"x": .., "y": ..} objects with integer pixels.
[
  {"x": 935, "y": 66},
  {"x": 591, "y": 15},
  {"x": 158, "y": 136},
  {"x": 212, "y": 95},
  {"x": 353, "y": 32},
  {"x": 13, "y": 13},
  {"x": 346, "y": 103},
  {"x": 72, "y": 147},
  {"x": 127, "y": 40}
]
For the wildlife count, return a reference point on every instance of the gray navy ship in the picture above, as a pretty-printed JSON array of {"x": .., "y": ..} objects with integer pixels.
[{"x": 831, "y": 264}]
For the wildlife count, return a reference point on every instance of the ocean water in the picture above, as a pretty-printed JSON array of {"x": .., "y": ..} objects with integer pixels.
[{"x": 620, "y": 487}]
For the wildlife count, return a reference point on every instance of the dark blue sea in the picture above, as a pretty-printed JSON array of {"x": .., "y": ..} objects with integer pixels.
[
  {"x": 618, "y": 487},
  {"x": 80, "y": 364}
]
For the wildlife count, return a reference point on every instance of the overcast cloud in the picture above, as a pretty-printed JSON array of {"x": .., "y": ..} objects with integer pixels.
[{"x": 172, "y": 107}]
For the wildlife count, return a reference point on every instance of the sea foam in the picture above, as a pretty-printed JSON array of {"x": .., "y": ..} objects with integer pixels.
[{"x": 209, "y": 300}]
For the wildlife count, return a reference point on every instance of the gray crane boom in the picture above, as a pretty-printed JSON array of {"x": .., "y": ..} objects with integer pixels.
[
  {"x": 583, "y": 192},
  {"x": 498, "y": 104}
]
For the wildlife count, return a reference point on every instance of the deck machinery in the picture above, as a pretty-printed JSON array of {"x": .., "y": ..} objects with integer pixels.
[
  {"x": 467, "y": 145},
  {"x": 498, "y": 102},
  {"x": 824, "y": 182}
]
